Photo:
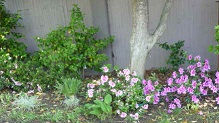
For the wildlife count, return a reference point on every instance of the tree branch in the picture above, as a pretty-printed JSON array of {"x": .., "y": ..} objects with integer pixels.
[{"x": 163, "y": 21}]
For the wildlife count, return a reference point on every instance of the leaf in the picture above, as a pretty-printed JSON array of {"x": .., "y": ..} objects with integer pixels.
[
  {"x": 96, "y": 112},
  {"x": 108, "y": 99}
]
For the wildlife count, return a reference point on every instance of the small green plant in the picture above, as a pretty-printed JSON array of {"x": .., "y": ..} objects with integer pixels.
[
  {"x": 101, "y": 109},
  {"x": 69, "y": 87},
  {"x": 71, "y": 102},
  {"x": 177, "y": 55},
  {"x": 26, "y": 102},
  {"x": 56, "y": 116},
  {"x": 212, "y": 48}
]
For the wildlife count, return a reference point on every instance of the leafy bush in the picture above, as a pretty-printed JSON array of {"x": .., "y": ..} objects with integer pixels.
[
  {"x": 11, "y": 51},
  {"x": 215, "y": 49},
  {"x": 71, "y": 102},
  {"x": 67, "y": 50},
  {"x": 177, "y": 55}
]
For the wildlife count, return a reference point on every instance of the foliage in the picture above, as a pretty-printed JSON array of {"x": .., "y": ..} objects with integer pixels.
[
  {"x": 67, "y": 50},
  {"x": 26, "y": 102},
  {"x": 69, "y": 87},
  {"x": 71, "y": 102},
  {"x": 11, "y": 51},
  {"x": 101, "y": 109},
  {"x": 177, "y": 55},
  {"x": 212, "y": 48}
]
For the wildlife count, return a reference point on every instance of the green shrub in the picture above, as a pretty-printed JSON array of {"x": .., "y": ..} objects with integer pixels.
[
  {"x": 63, "y": 53},
  {"x": 177, "y": 56},
  {"x": 212, "y": 48},
  {"x": 11, "y": 51},
  {"x": 67, "y": 50}
]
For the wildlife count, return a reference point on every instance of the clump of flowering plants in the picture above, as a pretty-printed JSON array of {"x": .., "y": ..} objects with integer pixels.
[
  {"x": 126, "y": 89},
  {"x": 187, "y": 86}
]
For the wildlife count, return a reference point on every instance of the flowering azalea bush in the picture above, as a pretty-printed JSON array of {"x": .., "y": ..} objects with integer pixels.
[
  {"x": 187, "y": 86},
  {"x": 126, "y": 89}
]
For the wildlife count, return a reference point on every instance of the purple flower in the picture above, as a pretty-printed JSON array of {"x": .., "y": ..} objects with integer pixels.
[
  {"x": 199, "y": 64},
  {"x": 217, "y": 80},
  {"x": 214, "y": 89},
  {"x": 170, "y": 81},
  {"x": 174, "y": 74},
  {"x": 217, "y": 99},
  {"x": 181, "y": 90},
  {"x": 192, "y": 72},
  {"x": 156, "y": 100},
  {"x": 177, "y": 101},
  {"x": 217, "y": 74},
  {"x": 194, "y": 84},
  {"x": 190, "y": 57},
  {"x": 172, "y": 106},
  {"x": 195, "y": 99},
  {"x": 190, "y": 90},
  {"x": 144, "y": 82},
  {"x": 181, "y": 70}
]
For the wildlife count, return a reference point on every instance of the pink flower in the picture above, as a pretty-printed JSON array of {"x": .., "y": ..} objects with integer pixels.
[
  {"x": 172, "y": 106},
  {"x": 190, "y": 57},
  {"x": 217, "y": 74},
  {"x": 136, "y": 116},
  {"x": 134, "y": 74},
  {"x": 90, "y": 92},
  {"x": 134, "y": 80},
  {"x": 112, "y": 84},
  {"x": 148, "y": 98},
  {"x": 123, "y": 115},
  {"x": 194, "y": 84},
  {"x": 217, "y": 99},
  {"x": 170, "y": 81},
  {"x": 174, "y": 74},
  {"x": 144, "y": 82},
  {"x": 119, "y": 93},
  {"x": 181, "y": 90},
  {"x": 200, "y": 113},
  {"x": 181, "y": 70},
  {"x": 195, "y": 99},
  {"x": 190, "y": 90},
  {"x": 217, "y": 80},
  {"x": 127, "y": 77},
  {"x": 199, "y": 64},
  {"x": 198, "y": 58},
  {"x": 126, "y": 71},
  {"x": 90, "y": 85},
  {"x": 105, "y": 69},
  {"x": 104, "y": 79},
  {"x": 145, "y": 106},
  {"x": 192, "y": 72},
  {"x": 113, "y": 90},
  {"x": 120, "y": 73}
]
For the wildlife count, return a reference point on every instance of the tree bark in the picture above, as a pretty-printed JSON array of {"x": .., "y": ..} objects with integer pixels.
[{"x": 141, "y": 41}]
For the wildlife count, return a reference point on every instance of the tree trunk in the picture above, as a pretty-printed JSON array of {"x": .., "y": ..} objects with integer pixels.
[{"x": 141, "y": 41}]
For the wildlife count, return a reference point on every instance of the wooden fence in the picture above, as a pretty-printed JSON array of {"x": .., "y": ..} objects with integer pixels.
[{"x": 189, "y": 20}]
